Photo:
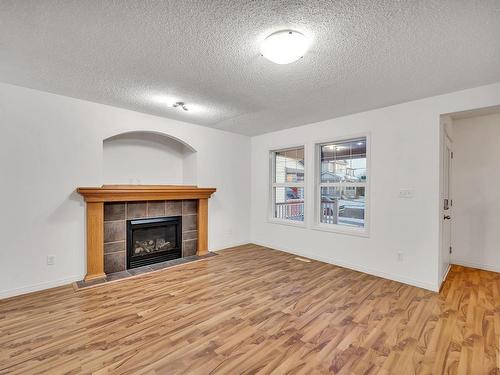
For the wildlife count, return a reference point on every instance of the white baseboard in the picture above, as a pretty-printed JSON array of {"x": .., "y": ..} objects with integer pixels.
[
  {"x": 481, "y": 266},
  {"x": 55, "y": 283},
  {"x": 385, "y": 275},
  {"x": 445, "y": 275},
  {"x": 236, "y": 244},
  {"x": 37, "y": 287}
]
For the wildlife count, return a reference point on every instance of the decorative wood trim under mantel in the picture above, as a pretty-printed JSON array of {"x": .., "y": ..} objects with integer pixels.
[{"x": 97, "y": 196}]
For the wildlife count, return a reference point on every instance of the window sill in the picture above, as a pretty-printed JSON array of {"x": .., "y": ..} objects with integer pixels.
[
  {"x": 335, "y": 228},
  {"x": 292, "y": 223}
]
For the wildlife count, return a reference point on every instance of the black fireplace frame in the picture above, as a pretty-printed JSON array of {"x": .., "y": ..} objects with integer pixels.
[{"x": 163, "y": 256}]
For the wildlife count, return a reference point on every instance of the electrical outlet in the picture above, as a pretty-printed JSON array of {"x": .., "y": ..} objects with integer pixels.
[
  {"x": 400, "y": 256},
  {"x": 51, "y": 260},
  {"x": 406, "y": 193}
]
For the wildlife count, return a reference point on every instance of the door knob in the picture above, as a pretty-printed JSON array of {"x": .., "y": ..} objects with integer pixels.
[{"x": 447, "y": 217}]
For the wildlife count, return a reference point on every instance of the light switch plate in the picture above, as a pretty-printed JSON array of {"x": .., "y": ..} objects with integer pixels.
[
  {"x": 51, "y": 260},
  {"x": 406, "y": 193}
]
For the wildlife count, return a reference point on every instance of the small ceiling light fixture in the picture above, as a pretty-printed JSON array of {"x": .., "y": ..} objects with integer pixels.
[
  {"x": 284, "y": 47},
  {"x": 180, "y": 105}
]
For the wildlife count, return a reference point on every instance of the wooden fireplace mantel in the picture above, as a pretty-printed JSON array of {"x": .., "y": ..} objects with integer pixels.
[
  {"x": 129, "y": 193},
  {"x": 97, "y": 196}
]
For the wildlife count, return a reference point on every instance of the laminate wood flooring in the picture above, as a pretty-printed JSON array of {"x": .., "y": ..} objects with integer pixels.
[{"x": 255, "y": 310}]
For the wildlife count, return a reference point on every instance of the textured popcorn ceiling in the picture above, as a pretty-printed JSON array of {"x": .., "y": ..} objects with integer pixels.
[{"x": 136, "y": 54}]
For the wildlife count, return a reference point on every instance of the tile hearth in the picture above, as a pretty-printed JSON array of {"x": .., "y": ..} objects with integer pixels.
[{"x": 140, "y": 270}]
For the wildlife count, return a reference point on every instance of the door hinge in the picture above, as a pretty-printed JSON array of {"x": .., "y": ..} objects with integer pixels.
[
  {"x": 451, "y": 250},
  {"x": 452, "y": 154},
  {"x": 451, "y": 202}
]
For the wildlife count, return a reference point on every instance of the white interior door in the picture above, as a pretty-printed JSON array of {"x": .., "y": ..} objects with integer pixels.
[{"x": 447, "y": 208}]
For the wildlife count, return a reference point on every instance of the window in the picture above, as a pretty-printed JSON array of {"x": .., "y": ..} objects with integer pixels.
[
  {"x": 343, "y": 183},
  {"x": 287, "y": 193}
]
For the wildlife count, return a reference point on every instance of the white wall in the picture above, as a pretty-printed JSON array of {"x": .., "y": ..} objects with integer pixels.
[
  {"x": 405, "y": 154},
  {"x": 143, "y": 158},
  {"x": 476, "y": 192},
  {"x": 51, "y": 144}
]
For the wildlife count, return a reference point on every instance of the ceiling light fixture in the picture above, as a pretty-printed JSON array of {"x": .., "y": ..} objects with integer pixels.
[
  {"x": 180, "y": 105},
  {"x": 284, "y": 47}
]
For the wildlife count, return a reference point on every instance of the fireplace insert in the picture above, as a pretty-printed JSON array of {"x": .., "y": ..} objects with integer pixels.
[{"x": 153, "y": 240}]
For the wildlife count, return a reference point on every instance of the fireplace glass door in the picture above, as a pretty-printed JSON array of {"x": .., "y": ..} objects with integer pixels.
[{"x": 153, "y": 240}]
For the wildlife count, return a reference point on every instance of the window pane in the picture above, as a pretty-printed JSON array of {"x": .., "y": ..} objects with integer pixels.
[
  {"x": 289, "y": 203},
  {"x": 279, "y": 167},
  {"x": 344, "y": 161},
  {"x": 343, "y": 205},
  {"x": 289, "y": 165}
]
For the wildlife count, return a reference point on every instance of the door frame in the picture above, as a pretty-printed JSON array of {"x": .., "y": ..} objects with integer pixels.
[{"x": 446, "y": 141}]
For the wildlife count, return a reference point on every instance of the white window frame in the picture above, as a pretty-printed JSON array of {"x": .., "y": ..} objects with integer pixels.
[
  {"x": 273, "y": 184},
  {"x": 339, "y": 228}
]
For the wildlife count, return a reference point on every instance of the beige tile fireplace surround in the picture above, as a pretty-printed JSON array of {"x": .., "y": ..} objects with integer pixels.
[{"x": 110, "y": 206}]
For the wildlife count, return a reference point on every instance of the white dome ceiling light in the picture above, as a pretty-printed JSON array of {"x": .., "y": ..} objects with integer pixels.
[{"x": 284, "y": 47}]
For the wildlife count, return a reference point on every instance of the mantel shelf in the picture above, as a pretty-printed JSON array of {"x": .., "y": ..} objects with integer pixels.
[{"x": 128, "y": 193}]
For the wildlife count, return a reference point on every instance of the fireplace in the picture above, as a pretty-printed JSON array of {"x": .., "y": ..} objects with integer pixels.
[
  {"x": 153, "y": 240},
  {"x": 107, "y": 239}
]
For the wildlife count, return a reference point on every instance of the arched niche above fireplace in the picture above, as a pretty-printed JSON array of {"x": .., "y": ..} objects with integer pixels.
[{"x": 142, "y": 157}]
